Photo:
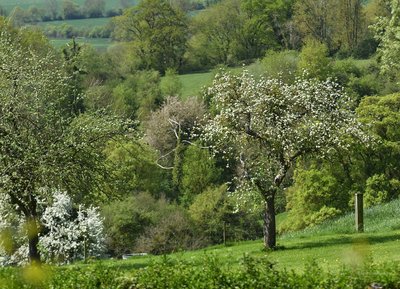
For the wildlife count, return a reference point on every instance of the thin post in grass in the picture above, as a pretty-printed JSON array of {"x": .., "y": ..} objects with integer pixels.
[{"x": 359, "y": 212}]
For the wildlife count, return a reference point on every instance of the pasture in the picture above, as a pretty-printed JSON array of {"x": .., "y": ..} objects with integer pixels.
[
  {"x": 78, "y": 23},
  {"x": 101, "y": 44},
  {"x": 9, "y": 5}
]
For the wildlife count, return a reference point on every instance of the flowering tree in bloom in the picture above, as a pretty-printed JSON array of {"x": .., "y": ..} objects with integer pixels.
[
  {"x": 267, "y": 124},
  {"x": 70, "y": 235}
]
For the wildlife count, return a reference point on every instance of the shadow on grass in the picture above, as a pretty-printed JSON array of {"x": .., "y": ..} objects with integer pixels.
[{"x": 342, "y": 240}]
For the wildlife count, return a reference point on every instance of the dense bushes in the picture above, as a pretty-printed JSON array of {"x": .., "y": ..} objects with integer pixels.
[
  {"x": 258, "y": 273},
  {"x": 208, "y": 273}
]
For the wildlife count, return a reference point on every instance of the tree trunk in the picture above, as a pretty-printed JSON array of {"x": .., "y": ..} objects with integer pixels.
[
  {"x": 269, "y": 222},
  {"x": 33, "y": 240}
]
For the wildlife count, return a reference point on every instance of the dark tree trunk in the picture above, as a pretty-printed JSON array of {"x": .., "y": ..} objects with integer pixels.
[
  {"x": 33, "y": 240},
  {"x": 269, "y": 222}
]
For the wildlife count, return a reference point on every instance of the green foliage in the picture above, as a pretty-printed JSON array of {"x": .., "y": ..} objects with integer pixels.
[
  {"x": 383, "y": 118},
  {"x": 173, "y": 232},
  {"x": 231, "y": 31},
  {"x": 135, "y": 170},
  {"x": 215, "y": 36},
  {"x": 218, "y": 216},
  {"x": 124, "y": 222},
  {"x": 138, "y": 95},
  {"x": 359, "y": 81},
  {"x": 171, "y": 84},
  {"x": 257, "y": 273},
  {"x": 169, "y": 130},
  {"x": 158, "y": 41},
  {"x": 94, "y": 8},
  {"x": 32, "y": 277},
  {"x": 314, "y": 197},
  {"x": 386, "y": 31},
  {"x": 44, "y": 145},
  {"x": 210, "y": 210},
  {"x": 146, "y": 224},
  {"x": 339, "y": 24},
  {"x": 281, "y": 64},
  {"x": 380, "y": 190},
  {"x": 314, "y": 61},
  {"x": 199, "y": 171}
]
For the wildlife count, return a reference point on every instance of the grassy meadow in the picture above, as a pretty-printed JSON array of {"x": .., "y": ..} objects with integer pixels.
[
  {"x": 9, "y": 5},
  {"x": 100, "y": 44},
  {"x": 78, "y": 23}
]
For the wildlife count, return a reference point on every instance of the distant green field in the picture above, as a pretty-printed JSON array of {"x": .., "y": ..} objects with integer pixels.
[
  {"x": 78, "y": 23},
  {"x": 100, "y": 44},
  {"x": 193, "y": 83},
  {"x": 25, "y": 4}
]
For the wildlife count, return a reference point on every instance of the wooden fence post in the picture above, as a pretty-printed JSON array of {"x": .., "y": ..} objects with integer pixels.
[{"x": 359, "y": 212}]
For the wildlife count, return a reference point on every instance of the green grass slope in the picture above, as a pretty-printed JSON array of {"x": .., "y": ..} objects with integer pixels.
[
  {"x": 194, "y": 83},
  {"x": 331, "y": 244}
]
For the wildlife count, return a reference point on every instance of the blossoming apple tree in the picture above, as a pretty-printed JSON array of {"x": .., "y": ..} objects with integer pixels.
[{"x": 267, "y": 125}]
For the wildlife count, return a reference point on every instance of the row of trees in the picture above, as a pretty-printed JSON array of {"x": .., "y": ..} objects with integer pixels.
[
  {"x": 61, "y": 10},
  {"x": 234, "y": 31}
]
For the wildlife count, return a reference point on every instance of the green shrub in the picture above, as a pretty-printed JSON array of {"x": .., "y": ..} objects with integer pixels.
[
  {"x": 175, "y": 231},
  {"x": 315, "y": 196},
  {"x": 124, "y": 222},
  {"x": 282, "y": 64},
  {"x": 380, "y": 190},
  {"x": 313, "y": 60},
  {"x": 199, "y": 171},
  {"x": 79, "y": 277},
  {"x": 207, "y": 273},
  {"x": 257, "y": 273}
]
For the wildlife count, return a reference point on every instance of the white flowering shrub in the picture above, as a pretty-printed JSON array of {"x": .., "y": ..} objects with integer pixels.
[
  {"x": 70, "y": 235},
  {"x": 67, "y": 233}
]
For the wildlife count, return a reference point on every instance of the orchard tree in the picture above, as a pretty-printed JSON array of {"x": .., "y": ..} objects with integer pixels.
[
  {"x": 267, "y": 125},
  {"x": 43, "y": 147}
]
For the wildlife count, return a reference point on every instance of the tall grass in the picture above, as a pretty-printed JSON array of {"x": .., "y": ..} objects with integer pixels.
[{"x": 380, "y": 218}]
